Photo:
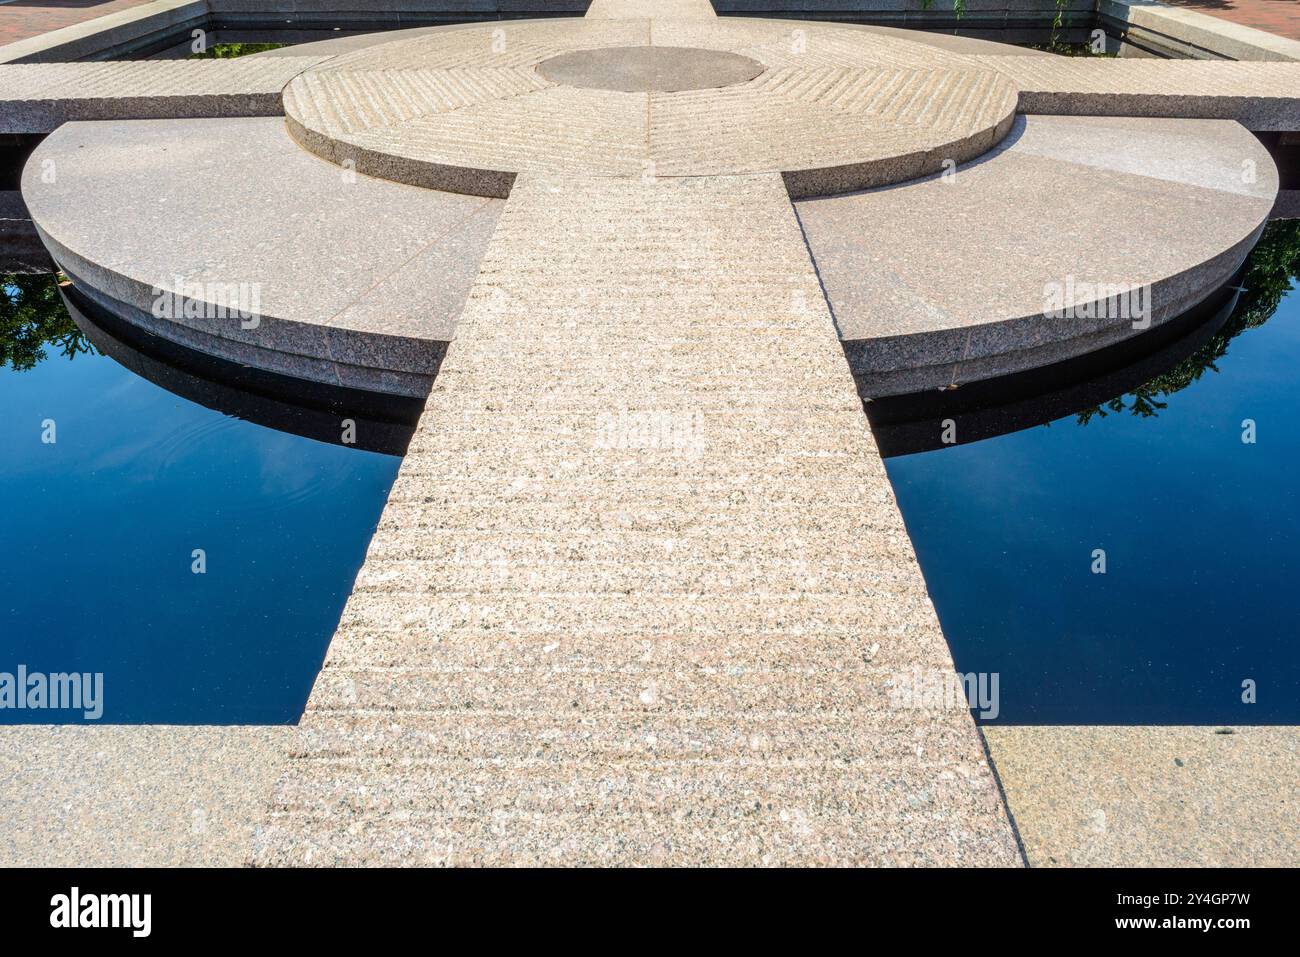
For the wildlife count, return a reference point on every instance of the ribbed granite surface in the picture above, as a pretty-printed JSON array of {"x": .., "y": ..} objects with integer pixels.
[
  {"x": 641, "y": 586},
  {"x": 36, "y": 98},
  {"x": 832, "y": 109}
]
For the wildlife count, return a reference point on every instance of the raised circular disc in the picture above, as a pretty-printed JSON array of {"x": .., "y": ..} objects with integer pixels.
[
  {"x": 832, "y": 109},
  {"x": 649, "y": 69}
]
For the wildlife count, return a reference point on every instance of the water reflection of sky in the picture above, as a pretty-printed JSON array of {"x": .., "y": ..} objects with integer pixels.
[
  {"x": 1201, "y": 534},
  {"x": 98, "y": 530}
]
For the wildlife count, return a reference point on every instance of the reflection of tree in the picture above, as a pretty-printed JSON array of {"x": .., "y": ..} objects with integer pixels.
[
  {"x": 32, "y": 316},
  {"x": 229, "y": 51},
  {"x": 1272, "y": 266}
]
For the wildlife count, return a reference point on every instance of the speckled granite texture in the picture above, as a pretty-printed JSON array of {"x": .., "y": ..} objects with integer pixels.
[
  {"x": 1153, "y": 797},
  {"x": 641, "y": 583},
  {"x": 352, "y": 281},
  {"x": 641, "y": 590},
  {"x": 134, "y": 796}
]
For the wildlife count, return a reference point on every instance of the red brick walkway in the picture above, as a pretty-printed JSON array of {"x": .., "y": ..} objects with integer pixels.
[
  {"x": 1276, "y": 16},
  {"x": 28, "y": 18}
]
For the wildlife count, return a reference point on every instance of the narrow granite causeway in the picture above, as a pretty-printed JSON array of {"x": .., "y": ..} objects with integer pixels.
[{"x": 641, "y": 585}]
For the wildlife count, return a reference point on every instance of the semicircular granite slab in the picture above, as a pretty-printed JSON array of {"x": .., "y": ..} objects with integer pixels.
[
  {"x": 468, "y": 108},
  {"x": 223, "y": 236},
  {"x": 1077, "y": 233}
]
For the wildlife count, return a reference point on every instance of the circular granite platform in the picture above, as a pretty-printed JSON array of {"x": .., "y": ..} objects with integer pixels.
[
  {"x": 934, "y": 283},
  {"x": 833, "y": 109},
  {"x": 350, "y": 282},
  {"x": 360, "y": 282}
]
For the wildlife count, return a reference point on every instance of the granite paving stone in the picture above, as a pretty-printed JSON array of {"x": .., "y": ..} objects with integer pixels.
[
  {"x": 1152, "y": 796},
  {"x": 134, "y": 796}
]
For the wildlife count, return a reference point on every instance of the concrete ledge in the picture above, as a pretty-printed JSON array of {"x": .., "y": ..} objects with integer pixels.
[
  {"x": 153, "y": 25},
  {"x": 1260, "y": 96},
  {"x": 944, "y": 41},
  {"x": 111, "y": 34},
  {"x": 250, "y": 392},
  {"x": 384, "y": 15},
  {"x": 346, "y": 280},
  {"x": 1006, "y": 20},
  {"x": 37, "y": 98},
  {"x": 413, "y": 171}
]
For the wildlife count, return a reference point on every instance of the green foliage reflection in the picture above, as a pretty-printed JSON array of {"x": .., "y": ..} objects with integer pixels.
[
  {"x": 1272, "y": 268},
  {"x": 33, "y": 321}
]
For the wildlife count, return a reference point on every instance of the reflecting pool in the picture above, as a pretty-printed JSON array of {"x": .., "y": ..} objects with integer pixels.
[
  {"x": 115, "y": 488},
  {"x": 1136, "y": 561}
]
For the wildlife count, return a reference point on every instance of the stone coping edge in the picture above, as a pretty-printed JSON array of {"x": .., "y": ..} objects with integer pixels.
[
  {"x": 105, "y": 36},
  {"x": 331, "y": 355},
  {"x": 1187, "y": 33},
  {"x": 495, "y": 184},
  {"x": 878, "y": 373}
]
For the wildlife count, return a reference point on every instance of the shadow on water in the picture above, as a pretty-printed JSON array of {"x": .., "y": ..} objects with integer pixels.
[
  {"x": 1138, "y": 376},
  {"x": 383, "y": 423}
]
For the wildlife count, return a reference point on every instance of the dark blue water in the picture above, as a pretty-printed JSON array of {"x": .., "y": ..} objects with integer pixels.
[
  {"x": 97, "y": 533},
  {"x": 1201, "y": 534}
]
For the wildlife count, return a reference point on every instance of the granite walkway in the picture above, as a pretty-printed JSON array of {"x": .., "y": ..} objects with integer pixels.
[
  {"x": 1259, "y": 95},
  {"x": 40, "y": 97},
  {"x": 641, "y": 586},
  {"x": 640, "y": 9}
]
